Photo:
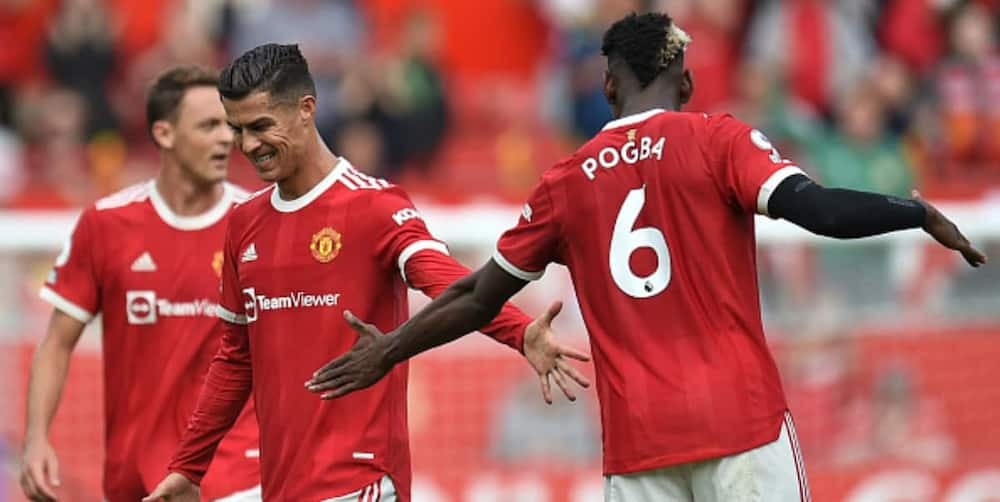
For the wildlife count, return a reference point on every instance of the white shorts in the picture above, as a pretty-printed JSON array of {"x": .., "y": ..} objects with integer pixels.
[
  {"x": 252, "y": 495},
  {"x": 770, "y": 473},
  {"x": 380, "y": 491}
]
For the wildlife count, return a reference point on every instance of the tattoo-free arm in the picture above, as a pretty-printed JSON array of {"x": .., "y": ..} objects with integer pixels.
[{"x": 466, "y": 306}]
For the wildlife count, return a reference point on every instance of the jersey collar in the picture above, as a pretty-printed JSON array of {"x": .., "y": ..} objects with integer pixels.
[
  {"x": 196, "y": 222},
  {"x": 632, "y": 119},
  {"x": 290, "y": 206}
]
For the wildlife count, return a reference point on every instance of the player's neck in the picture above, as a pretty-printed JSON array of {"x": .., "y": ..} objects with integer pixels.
[
  {"x": 317, "y": 163},
  {"x": 638, "y": 105},
  {"x": 184, "y": 196}
]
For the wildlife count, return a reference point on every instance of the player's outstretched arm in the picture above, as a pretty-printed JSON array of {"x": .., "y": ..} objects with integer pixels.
[
  {"x": 466, "y": 306},
  {"x": 39, "y": 465},
  {"x": 850, "y": 214},
  {"x": 432, "y": 272}
]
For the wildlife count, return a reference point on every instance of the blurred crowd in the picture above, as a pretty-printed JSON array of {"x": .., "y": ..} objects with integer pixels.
[{"x": 460, "y": 99}]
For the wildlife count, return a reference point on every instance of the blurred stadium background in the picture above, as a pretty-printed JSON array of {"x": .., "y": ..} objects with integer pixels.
[{"x": 890, "y": 348}]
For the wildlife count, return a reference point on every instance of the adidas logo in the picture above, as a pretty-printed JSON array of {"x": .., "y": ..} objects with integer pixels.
[
  {"x": 250, "y": 254},
  {"x": 144, "y": 263}
]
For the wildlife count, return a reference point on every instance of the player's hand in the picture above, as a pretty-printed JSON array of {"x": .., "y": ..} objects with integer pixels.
[
  {"x": 550, "y": 359},
  {"x": 359, "y": 368},
  {"x": 175, "y": 488},
  {"x": 945, "y": 232},
  {"x": 39, "y": 471}
]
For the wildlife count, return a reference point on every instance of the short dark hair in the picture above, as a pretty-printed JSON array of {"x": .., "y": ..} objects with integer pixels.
[
  {"x": 279, "y": 70},
  {"x": 165, "y": 94},
  {"x": 647, "y": 43}
]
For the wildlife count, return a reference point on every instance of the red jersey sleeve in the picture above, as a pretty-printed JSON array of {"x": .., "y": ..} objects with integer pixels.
[
  {"x": 224, "y": 395},
  {"x": 73, "y": 286},
  {"x": 228, "y": 384},
  {"x": 748, "y": 167},
  {"x": 404, "y": 242},
  {"x": 525, "y": 250},
  {"x": 432, "y": 273},
  {"x": 232, "y": 307},
  {"x": 400, "y": 232}
]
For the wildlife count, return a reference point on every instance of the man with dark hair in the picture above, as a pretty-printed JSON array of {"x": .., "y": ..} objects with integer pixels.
[
  {"x": 324, "y": 238},
  {"x": 654, "y": 218},
  {"x": 149, "y": 258}
]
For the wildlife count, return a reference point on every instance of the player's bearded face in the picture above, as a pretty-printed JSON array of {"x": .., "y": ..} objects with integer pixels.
[
  {"x": 202, "y": 140},
  {"x": 269, "y": 133}
]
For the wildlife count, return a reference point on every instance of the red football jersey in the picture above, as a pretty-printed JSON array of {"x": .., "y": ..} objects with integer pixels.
[
  {"x": 154, "y": 277},
  {"x": 291, "y": 269},
  {"x": 654, "y": 218}
]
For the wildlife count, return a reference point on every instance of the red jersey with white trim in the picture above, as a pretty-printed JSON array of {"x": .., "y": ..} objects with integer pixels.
[
  {"x": 154, "y": 277},
  {"x": 654, "y": 217},
  {"x": 291, "y": 269}
]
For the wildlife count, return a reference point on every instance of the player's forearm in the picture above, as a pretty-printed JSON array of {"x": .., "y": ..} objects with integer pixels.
[
  {"x": 842, "y": 213},
  {"x": 49, "y": 368},
  {"x": 456, "y": 312},
  {"x": 433, "y": 272}
]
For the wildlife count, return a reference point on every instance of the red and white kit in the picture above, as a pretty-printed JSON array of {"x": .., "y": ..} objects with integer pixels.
[
  {"x": 654, "y": 217},
  {"x": 291, "y": 268},
  {"x": 154, "y": 277}
]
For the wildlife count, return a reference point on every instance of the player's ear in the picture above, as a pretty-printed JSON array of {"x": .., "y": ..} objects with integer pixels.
[
  {"x": 163, "y": 134},
  {"x": 307, "y": 107},
  {"x": 687, "y": 87},
  {"x": 610, "y": 89}
]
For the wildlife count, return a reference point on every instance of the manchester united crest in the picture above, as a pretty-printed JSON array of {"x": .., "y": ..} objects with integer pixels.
[
  {"x": 217, "y": 263},
  {"x": 325, "y": 245}
]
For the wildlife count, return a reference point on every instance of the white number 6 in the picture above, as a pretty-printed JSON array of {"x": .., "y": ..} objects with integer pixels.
[{"x": 625, "y": 241}]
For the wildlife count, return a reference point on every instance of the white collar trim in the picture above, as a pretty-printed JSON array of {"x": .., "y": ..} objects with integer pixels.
[
  {"x": 290, "y": 206},
  {"x": 632, "y": 119},
  {"x": 196, "y": 222}
]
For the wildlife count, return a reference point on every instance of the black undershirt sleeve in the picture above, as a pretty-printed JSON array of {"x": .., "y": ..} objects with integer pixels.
[{"x": 842, "y": 213}]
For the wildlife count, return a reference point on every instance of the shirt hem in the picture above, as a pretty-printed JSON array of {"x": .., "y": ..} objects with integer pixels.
[{"x": 708, "y": 454}]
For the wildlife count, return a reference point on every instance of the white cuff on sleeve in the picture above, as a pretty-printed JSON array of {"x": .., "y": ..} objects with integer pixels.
[
  {"x": 63, "y": 305},
  {"x": 415, "y": 248},
  {"x": 512, "y": 269},
  {"x": 230, "y": 317},
  {"x": 768, "y": 187}
]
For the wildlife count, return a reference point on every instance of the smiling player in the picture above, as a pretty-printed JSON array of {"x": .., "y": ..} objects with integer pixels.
[{"x": 654, "y": 217}]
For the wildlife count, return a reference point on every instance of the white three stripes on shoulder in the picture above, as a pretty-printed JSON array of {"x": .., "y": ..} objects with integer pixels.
[
  {"x": 134, "y": 193},
  {"x": 356, "y": 180}
]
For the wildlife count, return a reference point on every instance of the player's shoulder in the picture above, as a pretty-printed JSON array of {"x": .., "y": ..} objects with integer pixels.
[
  {"x": 239, "y": 195},
  {"x": 124, "y": 199},
  {"x": 126, "y": 207},
  {"x": 358, "y": 183},
  {"x": 247, "y": 203},
  {"x": 369, "y": 191},
  {"x": 724, "y": 124},
  {"x": 696, "y": 124}
]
